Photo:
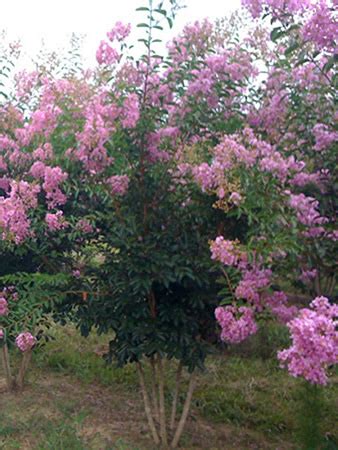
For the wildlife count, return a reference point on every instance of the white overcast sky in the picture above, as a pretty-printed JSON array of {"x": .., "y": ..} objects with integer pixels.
[{"x": 54, "y": 20}]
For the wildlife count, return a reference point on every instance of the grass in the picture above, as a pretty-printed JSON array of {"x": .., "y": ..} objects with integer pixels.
[{"x": 73, "y": 401}]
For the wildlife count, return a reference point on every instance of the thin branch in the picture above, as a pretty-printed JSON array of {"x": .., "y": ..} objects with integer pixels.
[
  {"x": 154, "y": 388},
  {"x": 7, "y": 367},
  {"x": 23, "y": 368},
  {"x": 176, "y": 393},
  {"x": 163, "y": 425},
  {"x": 147, "y": 405},
  {"x": 185, "y": 412}
]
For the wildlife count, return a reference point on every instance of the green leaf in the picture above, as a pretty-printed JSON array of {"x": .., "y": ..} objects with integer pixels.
[
  {"x": 161, "y": 11},
  {"x": 291, "y": 48},
  {"x": 276, "y": 33},
  {"x": 329, "y": 65}
]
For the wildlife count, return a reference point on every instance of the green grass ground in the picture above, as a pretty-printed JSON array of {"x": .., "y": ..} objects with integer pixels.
[{"x": 73, "y": 401}]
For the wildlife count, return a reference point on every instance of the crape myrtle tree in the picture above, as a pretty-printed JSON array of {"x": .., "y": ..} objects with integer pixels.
[
  {"x": 39, "y": 119},
  {"x": 116, "y": 183},
  {"x": 157, "y": 286},
  {"x": 94, "y": 160}
]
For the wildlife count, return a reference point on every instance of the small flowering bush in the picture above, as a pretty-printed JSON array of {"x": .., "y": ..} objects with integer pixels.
[{"x": 23, "y": 310}]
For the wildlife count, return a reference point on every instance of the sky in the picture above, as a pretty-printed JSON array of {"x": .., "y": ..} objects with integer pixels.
[{"x": 55, "y": 20}]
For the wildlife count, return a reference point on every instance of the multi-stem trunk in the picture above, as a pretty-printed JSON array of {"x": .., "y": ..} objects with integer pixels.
[{"x": 155, "y": 409}]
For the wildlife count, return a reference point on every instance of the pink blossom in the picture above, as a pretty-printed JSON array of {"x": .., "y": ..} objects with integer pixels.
[
  {"x": 256, "y": 7},
  {"x": 14, "y": 208},
  {"x": 2, "y": 333},
  {"x": 25, "y": 341},
  {"x": 118, "y": 184},
  {"x": 3, "y": 307},
  {"x": 254, "y": 281},
  {"x": 130, "y": 111},
  {"x": 321, "y": 27},
  {"x": 204, "y": 176},
  {"x": 56, "y": 221},
  {"x": 314, "y": 342},
  {"x": 236, "y": 323},
  {"x": 119, "y": 32},
  {"x": 107, "y": 55},
  {"x": 224, "y": 251},
  {"x": 53, "y": 177},
  {"x": 306, "y": 209},
  {"x": 324, "y": 137}
]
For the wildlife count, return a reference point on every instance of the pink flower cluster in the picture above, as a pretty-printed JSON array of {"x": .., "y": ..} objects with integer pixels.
[
  {"x": 227, "y": 252},
  {"x": 119, "y": 32},
  {"x": 314, "y": 342},
  {"x": 42, "y": 122},
  {"x": 323, "y": 136},
  {"x": 232, "y": 153},
  {"x": 106, "y": 54},
  {"x": 25, "y": 341},
  {"x": 252, "y": 284},
  {"x": 56, "y": 221},
  {"x": 321, "y": 27},
  {"x": 3, "y": 307},
  {"x": 99, "y": 125},
  {"x": 236, "y": 323},
  {"x": 118, "y": 184},
  {"x": 130, "y": 112},
  {"x": 14, "y": 221},
  {"x": 306, "y": 209},
  {"x": 256, "y": 6},
  {"x": 53, "y": 177}
]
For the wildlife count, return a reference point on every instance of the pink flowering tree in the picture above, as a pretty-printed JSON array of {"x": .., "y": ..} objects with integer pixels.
[{"x": 278, "y": 175}]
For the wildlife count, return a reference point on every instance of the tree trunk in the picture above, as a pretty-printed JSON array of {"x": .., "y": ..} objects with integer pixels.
[
  {"x": 147, "y": 405},
  {"x": 176, "y": 394},
  {"x": 163, "y": 424},
  {"x": 7, "y": 367},
  {"x": 23, "y": 369},
  {"x": 185, "y": 412}
]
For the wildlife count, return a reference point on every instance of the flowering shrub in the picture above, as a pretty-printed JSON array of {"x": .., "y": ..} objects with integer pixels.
[
  {"x": 236, "y": 325},
  {"x": 314, "y": 342},
  {"x": 24, "y": 307}
]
